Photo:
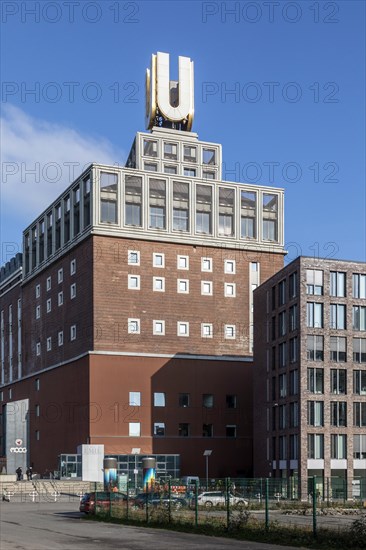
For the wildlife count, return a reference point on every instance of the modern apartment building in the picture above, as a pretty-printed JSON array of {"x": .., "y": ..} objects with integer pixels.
[
  {"x": 310, "y": 375},
  {"x": 136, "y": 306}
]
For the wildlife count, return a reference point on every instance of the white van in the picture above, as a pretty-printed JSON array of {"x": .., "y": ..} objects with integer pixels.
[{"x": 190, "y": 480}]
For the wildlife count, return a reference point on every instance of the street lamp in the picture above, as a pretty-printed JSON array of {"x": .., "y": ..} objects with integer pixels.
[
  {"x": 135, "y": 451},
  {"x": 207, "y": 453}
]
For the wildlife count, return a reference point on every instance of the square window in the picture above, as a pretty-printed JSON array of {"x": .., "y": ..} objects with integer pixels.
[
  {"x": 231, "y": 431},
  {"x": 206, "y": 288},
  {"x": 38, "y": 312},
  {"x": 60, "y": 298},
  {"x": 49, "y": 343},
  {"x": 150, "y": 148},
  {"x": 134, "y": 282},
  {"x": 158, "y": 260},
  {"x": 183, "y": 286},
  {"x": 38, "y": 348},
  {"x": 48, "y": 305},
  {"x": 207, "y": 430},
  {"x": 159, "y": 399},
  {"x": 170, "y": 151},
  {"x": 159, "y": 284},
  {"x": 38, "y": 291},
  {"x": 134, "y": 399},
  {"x": 207, "y": 400},
  {"x": 206, "y": 330},
  {"x": 206, "y": 264},
  {"x": 190, "y": 172},
  {"x": 48, "y": 283},
  {"x": 159, "y": 328},
  {"x": 60, "y": 338},
  {"x": 134, "y": 429},
  {"x": 254, "y": 266},
  {"x": 206, "y": 175},
  {"x": 73, "y": 332},
  {"x": 182, "y": 262},
  {"x": 133, "y": 257},
  {"x": 151, "y": 167},
  {"x": 230, "y": 267},
  {"x": 183, "y": 399},
  {"x": 231, "y": 401},
  {"x": 73, "y": 267},
  {"x": 73, "y": 291},
  {"x": 159, "y": 428},
  {"x": 183, "y": 430},
  {"x": 208, "y": 156},
  {"x": 133, "y": 326},
  {"x": 182, "y": 328},
  {"x": 170, "y": 169},
  {"x": 230, "y": 332},
  {"x": 60, "y": 275},
  {"x": 189, "y": 153},
  {"x": 230, "y": 290}
]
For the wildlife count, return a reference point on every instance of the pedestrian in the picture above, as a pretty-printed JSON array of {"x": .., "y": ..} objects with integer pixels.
[
  {"x": 5, "y": 496},
  {"x": 19, "y": 473},
  {"x": 29, "y": 473}
]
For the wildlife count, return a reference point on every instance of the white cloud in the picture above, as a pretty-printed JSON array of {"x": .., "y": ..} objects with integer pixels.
[{"x": 39, "y": 159}]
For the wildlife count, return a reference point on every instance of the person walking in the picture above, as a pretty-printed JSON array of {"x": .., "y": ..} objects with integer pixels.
[
  {"x": 29, "y": 473},
  {"x": 19, "y": 473}
]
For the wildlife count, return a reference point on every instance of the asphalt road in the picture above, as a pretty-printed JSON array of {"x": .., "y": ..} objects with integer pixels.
[{"x": 57, "y": 526}]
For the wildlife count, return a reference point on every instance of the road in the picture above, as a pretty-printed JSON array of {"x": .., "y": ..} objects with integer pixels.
[{"x": 57, "y": 526}]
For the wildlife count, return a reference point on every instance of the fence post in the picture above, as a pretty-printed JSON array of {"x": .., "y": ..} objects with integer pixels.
[
  {"x": 196, "y": 505},
  {"x": 169, "y": 501},
  {"x": 147, "y": 503},
  {"x": 128, "y": 498},
  {"x": 314, "y": 506},
  {"x": 227, "y": 491},
  {"x": 267, "y": 503}
]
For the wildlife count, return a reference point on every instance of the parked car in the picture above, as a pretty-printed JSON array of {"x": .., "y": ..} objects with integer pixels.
[
  {"x": 157, "y": 499},
  {"x": 218, "y": 498},
  {"x": 90, "y": 502}
]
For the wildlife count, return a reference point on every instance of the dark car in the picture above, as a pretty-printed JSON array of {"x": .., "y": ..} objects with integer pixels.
[
  {"x": 101, "y": 501},
  {"x": 157, "y": 499}
]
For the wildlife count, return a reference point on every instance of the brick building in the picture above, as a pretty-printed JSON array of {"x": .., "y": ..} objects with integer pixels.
[
  {"x": 137, "y": 308},
  {"x": 310, "y": 375}
]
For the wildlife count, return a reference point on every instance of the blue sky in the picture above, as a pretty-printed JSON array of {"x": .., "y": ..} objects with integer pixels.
[{"x": 295, "y": 117}]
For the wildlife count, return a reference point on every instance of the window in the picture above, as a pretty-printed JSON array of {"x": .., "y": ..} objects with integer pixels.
[
  {"x": 282, "y": 325},
  {"x": 133, "y": 257},
  {"x": 183, "y": 430},
  {"x": 282, "y": 355},
  {"x": 158, "y": 260},
  {"x": 208, "y": 156},
  {"x": 337, "y": 284},
  {"x": 229, "y": 267},
  {"x": 338, "y": 381},
  {"x": 60, "y": 298},
  {"x": 38, "y": 410},
  {"x": 338, "y": 446},
  {"x": 204, "y": 209},
  {"x": 159, "y": 399},
  {"x": 294, "y": 415},
  {"x": 133, "y": 200},
  {"x": 207, "y": 400},
  {"x": 182, "y": 262},
  {"x": 315, "y": 380},
  {"x": 337, "y": 316},
  {"x": 73, "y": 332},
  {"x": 282, "y": 382},
  {"x": 159, "y": 428},
  {"x": 315, "y": 348},
  {"x": 38, "y": 291},
  {"x": 183, "y": 399},
  {"x": 189, "y": 153},
  {"x": 48, "y": 283},
  {"x": 181, "y": 215},
  {"x": 358, "y": 285},
  {"x": 38, "y": 348},
  {"x": 38, "y": 312},
  {"x": 73, "y": 267},
  {"x": 293, "y": 350},
  {"x": 315, "y": 413},
  {"x": 208, "y": 175},
  {"x": 282, "y": 417},
  {"x": 293, "y": 315},
  {"x": 314, "y": 282},
  {"x": 359, "y": 317},
  {"x": 207, "y": 430},
  {"x": 159, "y": 284},
  {"x": 134, "y": 429},
  {"x": 359, "y": 350},
  {"x": 183, "y": 286},
  {"x": 150, "y": 148},
  {"x": 338, "y": 350},
  {"x": 73, "y": 291},
  {"x": 230, "y": 290},
  {"x": 359, "y": 382},
  {"x": 60, "y": 338},
  {"x": 48, "y": 305},
  {"x": 282, "y": 293},
  {"x": 134, "y": 399},
  {"x": 230, "y": 332},
  {"x": 226, "y": 211},
  {"x": 206, "y": 330},
  {"x": 315, "y": 446},
  {"x": 134, "y": 282},
  {"x": 133, "y": 326},
  {"x": 359, "y": 414},
  {"x": 157, "y": 203},
  {"x": 206, "y": 264},
  {"x": 159, "y": 328},
  {"x": 359, "y": 446},
  {"x": 293, "y": 285},
  {"x": 170, "y": 151},
  {"x": 230, "y": 430},
  {"x": 206, "y": 288},
  {"x": 182, "y": 328},
  {"x": 37, "y": 384},
  {"x": 294, "y": 447},
  {"x": 338, "y": 413},
  {"x": 170, "y": 169},
  {"x": 60, "y": 275},
  {"x": 37, "y": 435},
  {"x": 190, "y": 172},
  {"x": 231, "y": 400},
  {"x": 248, "y": 223},
  {"x": 314, "y": 315},
  {"x": 270, "y": 212},
  {"x": 150, "y": 166},
  {"x": 49, "y": 343}
]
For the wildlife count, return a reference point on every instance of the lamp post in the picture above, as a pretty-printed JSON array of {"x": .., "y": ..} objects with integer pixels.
[
  {"x": 135, "y": 451},
  {"x": 207, "y": 453}
]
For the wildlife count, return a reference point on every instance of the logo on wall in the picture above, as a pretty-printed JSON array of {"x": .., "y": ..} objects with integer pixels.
[{"x": 18, "y": 448}]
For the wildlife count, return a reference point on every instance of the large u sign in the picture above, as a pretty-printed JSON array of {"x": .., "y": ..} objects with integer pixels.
[{"x": 169, "y": 103}]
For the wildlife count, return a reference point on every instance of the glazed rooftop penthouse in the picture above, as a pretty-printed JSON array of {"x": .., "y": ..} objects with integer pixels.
[{"x": 169, "y": 190}]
